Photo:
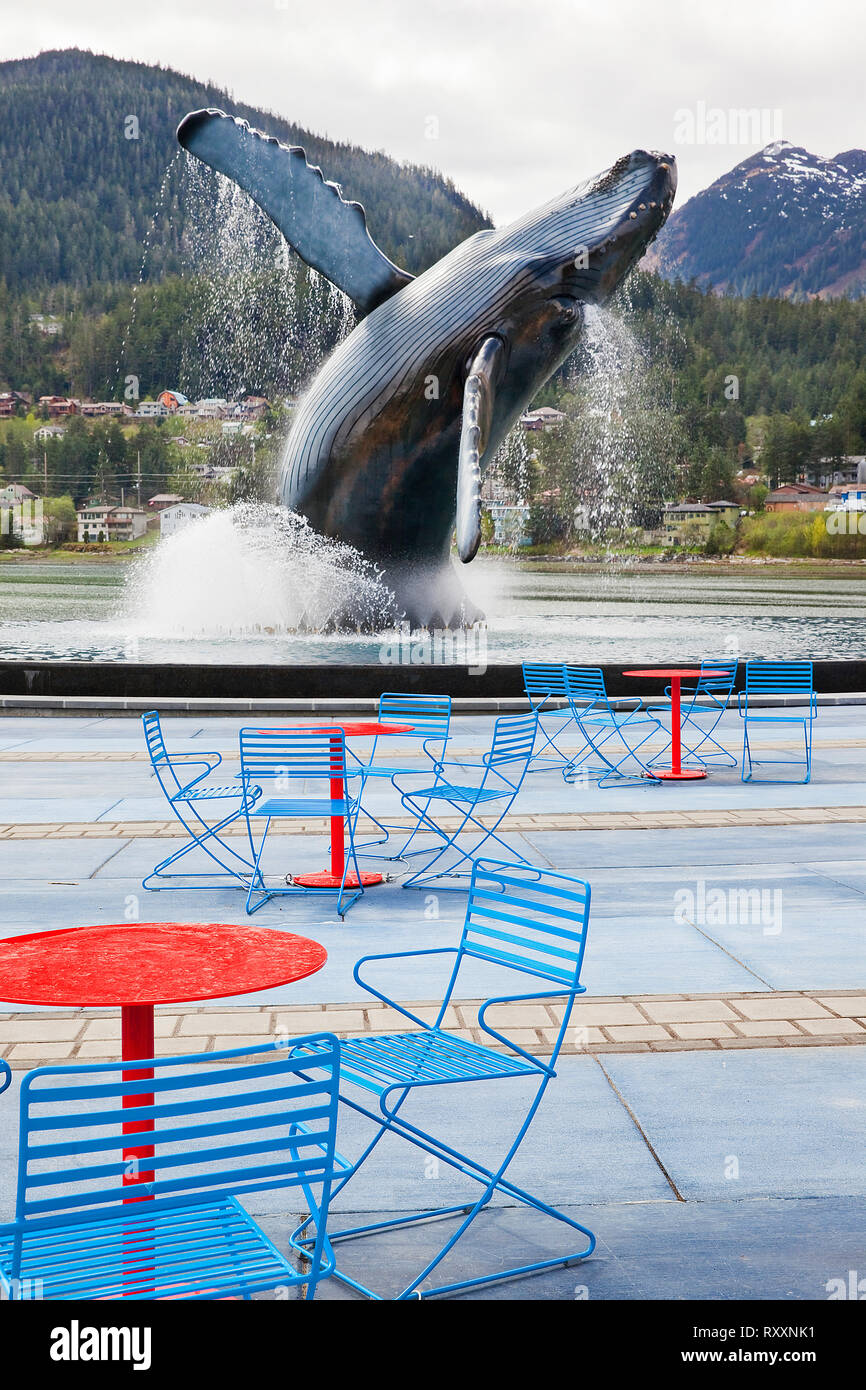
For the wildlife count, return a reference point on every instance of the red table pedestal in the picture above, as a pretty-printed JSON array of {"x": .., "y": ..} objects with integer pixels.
[
  {"x": 333, "y": 877},
  {"x": 676, "y": 772},
  {"x": 137, "y": 1040}
]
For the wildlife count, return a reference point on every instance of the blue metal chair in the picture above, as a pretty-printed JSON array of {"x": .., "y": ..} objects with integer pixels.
[
  {"x": 708, "y": 697},
  {"x": 544, "y": 683},
  {"x": 187, "y": 796},
  {"x": 599, "y": 722},
  {"x": 430, "y": 717},
  {"x": 289, "y": 759},
  {"x": 791, "y": 678},
  {"x": 501, "y": 772},
  {"x": 5, "y": 1075},
  {"x": 532, "y": 923},
  {"x": 103, "y": 1214}
]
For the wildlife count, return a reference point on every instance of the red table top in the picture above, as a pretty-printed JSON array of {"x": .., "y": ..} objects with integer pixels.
[
  {"x": 674, "y": 671},
  {"x": 150, "y": 963},
  {"x": 350, "y": 729}
]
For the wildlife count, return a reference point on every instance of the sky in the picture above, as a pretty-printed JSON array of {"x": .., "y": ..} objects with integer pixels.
[{"x": 514, "y": 101}]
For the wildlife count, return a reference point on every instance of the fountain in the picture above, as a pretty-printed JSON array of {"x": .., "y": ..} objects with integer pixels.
[
  {"x": 252, "y": 570},
  {"x": 387, "y": 447}
]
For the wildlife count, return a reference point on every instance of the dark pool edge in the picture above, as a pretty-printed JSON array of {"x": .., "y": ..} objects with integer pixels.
[{"x": 58, "y": 687}]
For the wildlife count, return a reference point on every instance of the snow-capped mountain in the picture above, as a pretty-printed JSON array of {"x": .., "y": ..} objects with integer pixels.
[{"x": 784, "y": 222}]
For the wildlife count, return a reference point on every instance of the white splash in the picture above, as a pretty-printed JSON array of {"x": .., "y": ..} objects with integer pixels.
[{"x": 252, "y": 569}]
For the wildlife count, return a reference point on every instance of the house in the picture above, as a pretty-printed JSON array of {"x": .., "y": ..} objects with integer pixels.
[
  {"x": 59, "y": 405},
  {"x": 164, "y": 499},
  {"x": 98, "y": 408},
  {"x": 21, "y": 514},
  {"x": 213, "y": 408},
  {"x": 15, "y": 492},
  {"x": 848, "y": 499},
  {"x": 9, "y": 403},
  {"x": 545, "y": 418},
  {"x": 728, "y": 512},
  {"x": 687, "y": 522},
  {"x": 102, "y": 521},
  {"x": 175, "y": 518},
  {"x": 146, "y": 410},
  {"x": 47, "y": 323},
  {"x": 510, "y": 523},
  {"x": 49, "y": 432},
  {"x": 252, "y": 407},
  {"x": 172, "y": 400},
  {"x": 797, "y": 497},
  {"x": 851, "y": 468}
]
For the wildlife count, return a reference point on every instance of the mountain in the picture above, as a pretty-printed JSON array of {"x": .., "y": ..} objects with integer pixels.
[
  {"x": 784, "y": 222},
  {"x": 78, "y": 196}
]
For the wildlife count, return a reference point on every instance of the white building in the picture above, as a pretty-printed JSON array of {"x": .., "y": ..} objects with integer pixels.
[
  {"x": 173, "y": 519},
  {"x": 49, "y": 432},
  {"x": 510, "y": 523},
  {"x": 21, "y": 514},
  {"x": 212, "y": 408},
  {"x": 100, "y": 521},
  {"x": 146, "y": 409}
]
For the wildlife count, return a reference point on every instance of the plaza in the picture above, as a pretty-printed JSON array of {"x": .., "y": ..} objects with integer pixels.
[{"x": 706, "y": 1117}]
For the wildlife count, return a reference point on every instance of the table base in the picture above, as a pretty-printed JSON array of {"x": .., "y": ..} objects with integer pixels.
[
  {"x": 685, "y": 775},
  {"x": 328, "y": 880}
]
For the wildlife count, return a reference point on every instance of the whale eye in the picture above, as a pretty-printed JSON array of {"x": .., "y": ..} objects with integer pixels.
[{"x": 568, "y": 307}]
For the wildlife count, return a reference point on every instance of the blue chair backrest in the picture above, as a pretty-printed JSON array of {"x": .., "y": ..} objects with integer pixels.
[
  {"x": 153, "y": 737},
  {"x": 585, "y": 684},
  {"x": 526, "y": 919},
  {"x": 778, "y": 678},
  {"x": 724, "y": 681},
  {"x": 430, "y": 715},
  {"x": 158, "y": 754},
  {"x": 219, "y": 1126},
  {"x": 5, "y": 1075},
  {"x": 293, "y": 755},
  {"x": 513, "y": 739},
  {"x": 542, "y": 679}
]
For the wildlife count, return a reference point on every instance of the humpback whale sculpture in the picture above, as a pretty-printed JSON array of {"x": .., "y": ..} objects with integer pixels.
[{"x": 388, "y": 445}]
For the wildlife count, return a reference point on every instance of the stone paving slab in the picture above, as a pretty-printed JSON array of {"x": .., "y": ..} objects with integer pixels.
[
  {"x": 629, "y": 1023},
  {"x": 573, "y": 821}
]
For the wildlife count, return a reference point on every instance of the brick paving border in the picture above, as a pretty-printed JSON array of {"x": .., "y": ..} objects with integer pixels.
[
  {"x": 601, "y": 820},
  {"x": 622, "y": 1023},
  {"x": 44, "y": 755}
]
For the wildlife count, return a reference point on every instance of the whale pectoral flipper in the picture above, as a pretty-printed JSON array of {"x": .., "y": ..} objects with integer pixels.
[
  {"x": 479, "y": 396},
  {"x": 327, "y": 232}
]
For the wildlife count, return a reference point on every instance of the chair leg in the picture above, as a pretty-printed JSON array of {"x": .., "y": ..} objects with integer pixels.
[
  {"x": 614, "y": 777},
  {"x": 197, "y": 841},
  {"x": 491, "y": 1181},
  {"x": 424, "y": 876},
  {"x": 257, "y": 878},
  {"x": 562, "y": 760}
]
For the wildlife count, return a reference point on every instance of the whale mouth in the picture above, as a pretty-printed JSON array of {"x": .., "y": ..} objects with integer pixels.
[{"x": 648, "y": 181}]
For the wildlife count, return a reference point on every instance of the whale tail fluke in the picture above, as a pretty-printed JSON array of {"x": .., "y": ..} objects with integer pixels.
[{"x": 327, "y": 232}]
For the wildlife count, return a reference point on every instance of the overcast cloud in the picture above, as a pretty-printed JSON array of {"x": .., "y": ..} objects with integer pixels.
[{"x": 528, "y": 97}]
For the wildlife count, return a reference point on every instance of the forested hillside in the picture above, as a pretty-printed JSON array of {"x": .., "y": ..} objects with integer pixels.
[{"x": 77, "y": 194}]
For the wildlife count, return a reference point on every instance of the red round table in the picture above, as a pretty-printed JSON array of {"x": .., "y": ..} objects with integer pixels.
[
  {"x": 138, "y": 965},
  {"x": 676, "y": 773},
  {"x": 333, "y": 877}
]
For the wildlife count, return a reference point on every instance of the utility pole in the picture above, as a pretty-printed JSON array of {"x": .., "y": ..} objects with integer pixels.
[
  {"x": 44, "y": 472},
  {"x": 138, "y": 477}
]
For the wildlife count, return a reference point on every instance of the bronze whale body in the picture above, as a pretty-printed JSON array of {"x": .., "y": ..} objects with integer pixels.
[{"x": 388, "y": 445}]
